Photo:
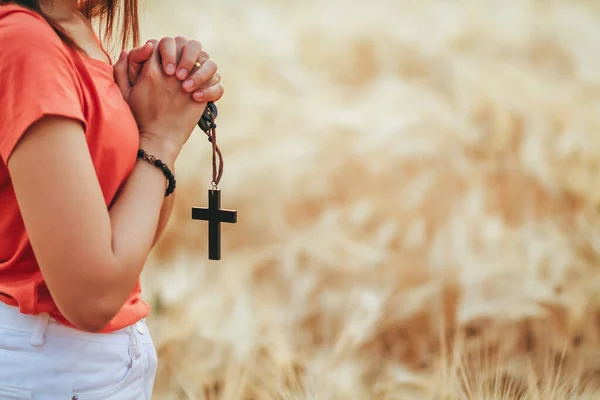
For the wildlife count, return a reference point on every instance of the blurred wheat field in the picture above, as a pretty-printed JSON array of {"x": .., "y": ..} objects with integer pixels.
[{"x": 416, "y": 183}]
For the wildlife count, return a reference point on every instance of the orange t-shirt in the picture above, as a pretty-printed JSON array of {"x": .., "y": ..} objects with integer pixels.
[{"x": 40, "y": 75}]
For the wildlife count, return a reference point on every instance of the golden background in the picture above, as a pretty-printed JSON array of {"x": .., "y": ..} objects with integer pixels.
[{"x": 417, "y": 189}]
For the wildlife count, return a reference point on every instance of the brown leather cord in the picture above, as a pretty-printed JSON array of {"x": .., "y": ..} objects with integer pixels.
[
  {"x": 217, "y": 156},
  {"x": 213, "y": 214}
]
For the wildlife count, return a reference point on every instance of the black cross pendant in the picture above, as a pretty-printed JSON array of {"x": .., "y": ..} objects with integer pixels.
[{"x": 214, "y": 215}]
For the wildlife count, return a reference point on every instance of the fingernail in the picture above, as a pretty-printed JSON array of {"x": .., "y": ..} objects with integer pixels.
[
  {"x": 182, "y": 73},
  {"x": 198, "y": 95},
  {"x": 188, "y": 84},
  {"x": 123, "y": 54},
  {"x": 170, "y": 69}
]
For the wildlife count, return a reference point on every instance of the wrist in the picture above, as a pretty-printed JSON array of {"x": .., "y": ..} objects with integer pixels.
[
  {"x": 164, "y": 168},
  {"x": 161, "y": 149}
]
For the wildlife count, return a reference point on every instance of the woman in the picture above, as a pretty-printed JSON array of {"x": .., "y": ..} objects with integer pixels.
[{"x": 80, "y": 205}]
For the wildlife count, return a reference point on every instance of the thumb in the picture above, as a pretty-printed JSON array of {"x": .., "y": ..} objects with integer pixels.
[
  {"x": 120, "y": 74},
  {"x": 137, "y": 58}
]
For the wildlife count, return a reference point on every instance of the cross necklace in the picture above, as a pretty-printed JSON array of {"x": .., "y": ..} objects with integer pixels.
[{"x": 213, "y": 214}]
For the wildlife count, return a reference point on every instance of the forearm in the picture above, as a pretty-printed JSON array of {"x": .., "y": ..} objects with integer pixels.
[
  {"x": 165, "y": 215},
  {"x": 135, "y": 219}
]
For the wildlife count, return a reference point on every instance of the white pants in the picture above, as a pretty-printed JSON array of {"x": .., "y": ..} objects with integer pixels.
[{"x": 43, "y": 360}]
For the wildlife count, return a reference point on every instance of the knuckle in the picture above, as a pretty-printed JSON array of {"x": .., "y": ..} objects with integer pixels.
[
  {"x": 203, "y": 77},
  {"x": 216, "y": 79},
  {"x": 195, "y": 44},
  {"x": 166, "y": 41},
  {"x": 217, "y": 92},
  {"x": 211, "y": 66},
  {"x": 204, "y": 56},
  {"x": 206, "y": 72},
  {"x": 189, "y": 57}
]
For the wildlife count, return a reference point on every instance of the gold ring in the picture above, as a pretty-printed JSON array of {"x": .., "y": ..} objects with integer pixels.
[{"x": 197, "y": 64}]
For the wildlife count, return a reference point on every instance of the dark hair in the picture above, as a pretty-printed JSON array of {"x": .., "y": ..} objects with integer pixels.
[{"x": 105, "y": 11}]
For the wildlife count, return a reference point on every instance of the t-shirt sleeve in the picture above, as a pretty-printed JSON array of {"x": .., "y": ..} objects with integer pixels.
[{"x": 37, "y": 77}]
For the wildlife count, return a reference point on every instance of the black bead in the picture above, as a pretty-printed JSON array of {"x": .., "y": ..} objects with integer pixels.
[
  {"x": 171, "y": 187},
  {"x": 163, "y": 167}
]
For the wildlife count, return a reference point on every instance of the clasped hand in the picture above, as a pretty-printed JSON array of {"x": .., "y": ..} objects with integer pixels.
[
  {"x": 165, "y": 90},
  {"x": 178, "y": 56}
]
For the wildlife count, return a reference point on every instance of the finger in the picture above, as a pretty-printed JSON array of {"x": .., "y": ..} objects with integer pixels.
[
  {"x": 180, "y": 42},
  {"x": 153, "y": 67},
  {"x": 200, "y": 76},
  {"x": 155, "y": 61},
  {"x": 120, "y": 73},
  {"x": 216, "y": 78},
  {"x": 167, "y": 48},
  {"x": 213, "y": 93},
  {"x": 142, "y": 54},
  {"x": 198, "y": 95},
  {"x": 136, "y": 59},
  {"x": 192, "y": 52}
]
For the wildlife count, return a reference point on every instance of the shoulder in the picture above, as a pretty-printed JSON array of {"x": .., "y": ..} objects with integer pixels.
[
  {"x": 20, "y": 27},
  {"x": 31, "y": 49},
  {"x": 14, "y": 17}
]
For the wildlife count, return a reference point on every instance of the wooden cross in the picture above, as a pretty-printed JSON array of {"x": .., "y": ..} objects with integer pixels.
[{"x": 214, "y": 215}]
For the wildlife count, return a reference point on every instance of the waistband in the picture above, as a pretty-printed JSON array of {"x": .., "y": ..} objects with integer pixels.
[{"x": 43, "y": 325}]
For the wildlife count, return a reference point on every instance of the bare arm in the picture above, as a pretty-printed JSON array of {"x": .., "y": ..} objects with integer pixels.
[
  {"x": 90, "y": 258},
  {"x": 165, "y": 215}
]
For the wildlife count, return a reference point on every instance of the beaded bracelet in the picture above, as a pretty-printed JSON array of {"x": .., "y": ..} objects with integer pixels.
[{"x": 158, "y": 163}]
